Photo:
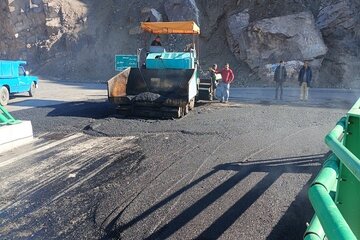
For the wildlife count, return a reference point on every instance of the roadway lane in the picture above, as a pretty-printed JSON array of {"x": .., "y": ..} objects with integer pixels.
[
  {"x": 52, "y": 93},
  {"x": 62, "y": 106},
  {"x": 318, "y": 97},
  {"x": 225, "y": 171}
]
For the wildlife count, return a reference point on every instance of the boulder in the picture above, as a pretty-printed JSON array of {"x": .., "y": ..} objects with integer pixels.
[
  {"x": 267, "y": 41},
  {"x": 182, "y": 10},
  {"x": 155, "y": 16},
  {"x": 151, "y": 14}
]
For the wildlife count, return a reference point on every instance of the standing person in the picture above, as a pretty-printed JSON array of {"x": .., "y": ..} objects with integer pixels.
[
  {"x": 214, "y": 80},
  {"x": 227, "y": 76},
  {"x": 156, "y": 42},
  {"x": 213, "y": 71},
  {"x": 305, "y": 76},
  {"x": 279, "y": 78}
]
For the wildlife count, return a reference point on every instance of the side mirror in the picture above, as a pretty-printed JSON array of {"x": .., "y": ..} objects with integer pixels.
[{"x": 27, "y": 73}]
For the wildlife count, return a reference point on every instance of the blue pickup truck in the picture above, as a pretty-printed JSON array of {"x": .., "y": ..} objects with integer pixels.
[{"x": 15, "y": 79}]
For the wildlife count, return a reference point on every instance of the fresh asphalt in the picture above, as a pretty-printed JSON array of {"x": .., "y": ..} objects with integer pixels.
[{"x": 225, "y": 171}]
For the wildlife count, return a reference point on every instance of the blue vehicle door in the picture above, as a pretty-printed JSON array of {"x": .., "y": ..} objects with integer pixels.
[
  {"x": 24, "y": 85},
  {"x": 9, "y": 75}
]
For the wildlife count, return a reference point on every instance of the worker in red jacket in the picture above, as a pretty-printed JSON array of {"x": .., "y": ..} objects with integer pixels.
[{"x": 224, "y": 86}]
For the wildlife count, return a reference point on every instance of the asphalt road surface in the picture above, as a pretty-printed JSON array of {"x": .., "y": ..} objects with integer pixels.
[{"x": 225, "y": 171}]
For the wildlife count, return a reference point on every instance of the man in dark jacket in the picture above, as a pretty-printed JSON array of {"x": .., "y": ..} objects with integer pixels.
[
  {"x": 156, "y": 42},
  {"x": 305, "y": 76},
  {"x": 279, "y": 78}
]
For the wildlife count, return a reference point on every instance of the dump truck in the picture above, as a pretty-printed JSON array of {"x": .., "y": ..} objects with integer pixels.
[
  {"x": 166, "y": 84},
  {"x": 15, "y": 79}
]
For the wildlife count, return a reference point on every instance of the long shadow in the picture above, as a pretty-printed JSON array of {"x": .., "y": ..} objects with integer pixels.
[
  {"x": 99, "y": 109},
  {"x": 297, "y": 214},
  {"x": 217, "y": 228},
  {"x": 274, "y": 169},
  {"x": 112, "y": 231},
  {"x": 84, "y": 109},
  {"x": 31, "y": 102},
  {"x": 195, "y": 209}
]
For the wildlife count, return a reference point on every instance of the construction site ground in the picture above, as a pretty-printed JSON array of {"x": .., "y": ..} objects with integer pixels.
[{"x": 225, "y": 171}]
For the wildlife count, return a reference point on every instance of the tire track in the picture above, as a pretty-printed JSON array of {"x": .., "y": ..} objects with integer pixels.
[
  {"x": 160, "y": 222},
  {"x": 83, "y": 159},
  {"x": 111, "y": 219}
]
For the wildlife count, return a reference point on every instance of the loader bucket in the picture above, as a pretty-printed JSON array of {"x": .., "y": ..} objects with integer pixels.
[{"x": 169, "y": 83}]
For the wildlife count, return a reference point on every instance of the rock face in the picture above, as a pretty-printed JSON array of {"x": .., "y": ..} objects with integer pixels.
[
  {"x": 21, "y": 27},
  {"x": 151, "y": 15},
  {"x": 77, "y": 39},
  {"x": 32, "y": 29},
  {"x": 267, "y": 41},
  {"x": 182, "y": 10},
  {"x": 339, "y": 22}
]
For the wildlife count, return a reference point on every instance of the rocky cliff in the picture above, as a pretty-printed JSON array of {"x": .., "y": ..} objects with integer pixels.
[{"x": 77, "y": 39}]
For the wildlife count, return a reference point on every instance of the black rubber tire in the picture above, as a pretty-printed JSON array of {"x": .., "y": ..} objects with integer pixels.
[
  {"x": 4, "y": 96},
  {"x": 32, "y": 91}
]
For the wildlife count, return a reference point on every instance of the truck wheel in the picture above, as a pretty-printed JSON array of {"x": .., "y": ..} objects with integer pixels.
[
  {"x": 32, "y": 90},
  {"x": 4, "y": 96}
]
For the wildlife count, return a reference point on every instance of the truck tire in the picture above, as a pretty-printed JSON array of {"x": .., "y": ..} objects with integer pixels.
[
  {"x": 4, "y": 96},
  {"x": 32, "y": 90}
]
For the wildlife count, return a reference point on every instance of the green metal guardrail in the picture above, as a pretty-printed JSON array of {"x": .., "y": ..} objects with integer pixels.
[
  {"x": 6, "y": 118},
  {"x": 335, "y": 193}
]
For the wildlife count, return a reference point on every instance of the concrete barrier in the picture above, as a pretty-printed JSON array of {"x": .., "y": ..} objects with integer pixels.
[{"x": 12, "y": 136}]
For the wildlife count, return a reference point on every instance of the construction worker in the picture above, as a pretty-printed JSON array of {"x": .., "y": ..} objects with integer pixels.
[{"x": 156, "y": 42}]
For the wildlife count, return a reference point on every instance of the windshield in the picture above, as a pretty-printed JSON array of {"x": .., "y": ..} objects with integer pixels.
[{"x": 22, "y": 71}]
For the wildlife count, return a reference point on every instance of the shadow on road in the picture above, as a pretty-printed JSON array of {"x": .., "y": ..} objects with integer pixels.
[
  {"x": 35, "y": 102},
  {"x": 274, "y": 168},
  {"x": 54, "y": 108},
  {"x": 84, "y": 109}
]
